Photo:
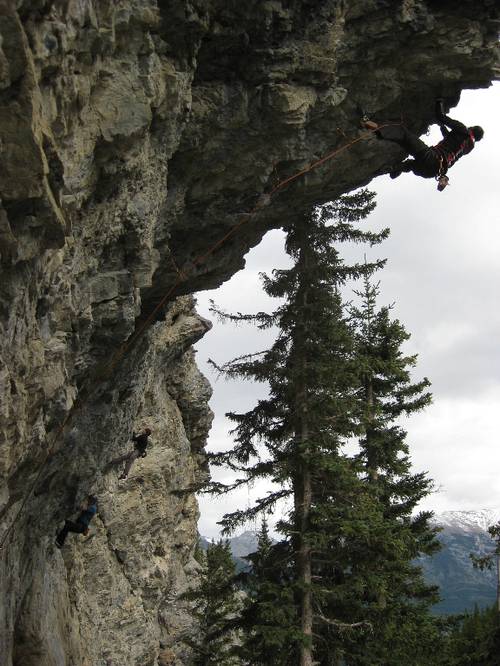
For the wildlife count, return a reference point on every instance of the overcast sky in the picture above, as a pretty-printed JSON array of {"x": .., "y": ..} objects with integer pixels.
[{"x": 443, "y": 274}]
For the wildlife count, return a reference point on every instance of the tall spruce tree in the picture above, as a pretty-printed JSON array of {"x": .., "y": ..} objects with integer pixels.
[
  {"x": 395, "y": 599},
  {"x": 215, "y": 607},
  {"x": 294, "y": 437}
]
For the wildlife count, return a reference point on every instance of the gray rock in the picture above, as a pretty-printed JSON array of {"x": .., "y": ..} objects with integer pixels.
[{"x": 133, "y": 137}]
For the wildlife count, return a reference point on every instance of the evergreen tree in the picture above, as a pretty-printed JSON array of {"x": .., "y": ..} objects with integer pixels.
[
  {"x": 485, "y": 625},
  {"x": 295, "y": 436},
  {"x": 394, "y": 598},
  {"x": 471, "y": 640},
  {"x": 268, "y": 620},
  {"x": 491, "y": 560},
  {"x": 215, "y": 607}
]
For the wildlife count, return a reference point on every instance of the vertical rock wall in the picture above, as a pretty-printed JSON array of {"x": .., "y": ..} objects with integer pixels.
[
  {"x": 134, "y": 134},
  {"x": 113, "y": 596}
]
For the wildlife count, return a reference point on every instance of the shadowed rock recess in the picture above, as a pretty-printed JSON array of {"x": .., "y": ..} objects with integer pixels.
[{"x": 133, "y": 135}]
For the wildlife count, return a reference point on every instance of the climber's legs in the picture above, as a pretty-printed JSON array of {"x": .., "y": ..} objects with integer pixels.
[
  {"x": 403, "y": 137},
  {"x": 70, "y": 526},
  {"x": 427, "y": 161},
  {"x": 398, "y": 134},
  {"x": 130, "y": 461},
  {"x": 117, "y": 461},
  {"x": 404, "y": 167}
]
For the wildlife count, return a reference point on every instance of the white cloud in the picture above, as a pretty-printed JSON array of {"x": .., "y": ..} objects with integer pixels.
[{"x": 456, "y": 440}]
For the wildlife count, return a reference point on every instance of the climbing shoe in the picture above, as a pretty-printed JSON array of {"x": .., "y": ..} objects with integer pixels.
[{"x": 439, "y": 108}]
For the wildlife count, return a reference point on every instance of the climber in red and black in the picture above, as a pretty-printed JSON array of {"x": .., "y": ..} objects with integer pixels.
[
  {"x": 81, "y": 524},
  {"x": 139, "y": 450},
  {"x": 431, "y": 161}
]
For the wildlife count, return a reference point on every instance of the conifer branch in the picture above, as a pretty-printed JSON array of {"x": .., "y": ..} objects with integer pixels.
[{"x": 345, "y": 626}]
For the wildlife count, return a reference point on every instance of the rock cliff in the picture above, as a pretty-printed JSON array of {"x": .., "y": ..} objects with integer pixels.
[{"x": 135, "y": 134}]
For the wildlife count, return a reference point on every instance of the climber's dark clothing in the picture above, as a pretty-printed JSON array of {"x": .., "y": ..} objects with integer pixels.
[
  {"x": 80, "y": 526},
  {"x": 70, "y": 526},
  {"x": 140, "y": 442},
  {"x": 130, "y": 458},
  {"x": 140, "y": 445},
  {"x": 457, "y": 142},
  {"x": 431, "y": 161}
]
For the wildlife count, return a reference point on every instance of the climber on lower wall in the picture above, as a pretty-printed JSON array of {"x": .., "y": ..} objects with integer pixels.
[
  {"x": 81, "y": 524},
  {"x": 431, "y": 161},
  {"x": 140, "y": 445}
]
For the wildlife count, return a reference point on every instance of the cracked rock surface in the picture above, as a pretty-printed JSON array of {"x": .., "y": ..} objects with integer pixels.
[{"x": 135, "y": 134}]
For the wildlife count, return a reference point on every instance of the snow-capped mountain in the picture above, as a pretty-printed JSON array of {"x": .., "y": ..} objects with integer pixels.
[
  {"x": 468, "y": 521},
  {"x": 461, "y": 586}
]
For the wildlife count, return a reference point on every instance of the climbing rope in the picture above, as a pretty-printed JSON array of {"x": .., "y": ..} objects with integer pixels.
[{"x": 182, "y": 276}]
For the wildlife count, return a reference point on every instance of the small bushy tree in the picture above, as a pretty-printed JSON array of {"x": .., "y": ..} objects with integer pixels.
[
  {"x": 491, "y": 559},
  {"x": 268, "y": 620},
  {"x": 215, "y": 607}
]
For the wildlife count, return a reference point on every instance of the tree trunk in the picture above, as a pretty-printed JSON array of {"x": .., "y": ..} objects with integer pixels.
[
  {"x": 303, "y": 509},
  {"x": 370, "y": 455},
  {"x": 304, "y": 561}
]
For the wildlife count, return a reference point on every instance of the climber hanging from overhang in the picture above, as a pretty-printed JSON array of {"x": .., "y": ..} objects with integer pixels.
[
  {"x": 81, "y": 524},
  {"x": 430, "y": 161},
  {"x": 140, "y": 446}
]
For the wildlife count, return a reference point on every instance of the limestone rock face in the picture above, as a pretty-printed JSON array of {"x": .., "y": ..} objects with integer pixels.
[{"x": 137, "y": 139}]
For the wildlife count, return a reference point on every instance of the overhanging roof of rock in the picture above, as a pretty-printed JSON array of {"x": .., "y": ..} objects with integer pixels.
[
  {"x": 201, "y": 106},
  {"x": 278, "y": 85}
]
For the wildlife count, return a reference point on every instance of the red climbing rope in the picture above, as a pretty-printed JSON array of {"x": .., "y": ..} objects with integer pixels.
[{"x": 182, "y": 276}]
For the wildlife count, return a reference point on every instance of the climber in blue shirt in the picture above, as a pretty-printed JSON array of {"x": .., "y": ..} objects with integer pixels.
[{"x": 81, "y": 525}]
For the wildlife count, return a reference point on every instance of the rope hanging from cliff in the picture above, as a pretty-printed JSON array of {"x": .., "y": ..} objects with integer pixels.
[
  {"x": 182, "y": 276},
  {"x": 263, "y": 201}
]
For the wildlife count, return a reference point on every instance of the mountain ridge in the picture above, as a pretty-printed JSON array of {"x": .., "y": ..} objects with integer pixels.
[
  {"x": 472, "y": 519},
  {"x": 463, "y": 532}
]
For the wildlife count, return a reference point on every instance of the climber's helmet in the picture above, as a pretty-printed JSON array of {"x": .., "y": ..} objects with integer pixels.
[{"x": 477, "y": 131}]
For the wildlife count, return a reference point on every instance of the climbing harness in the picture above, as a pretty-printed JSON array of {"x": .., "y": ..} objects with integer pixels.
[
  {"x": 182, "y": 276},
  {"x": 450, "y": 157}
]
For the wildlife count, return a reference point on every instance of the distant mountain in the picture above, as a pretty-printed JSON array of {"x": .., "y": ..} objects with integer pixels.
[
  {"x": 241, "y": 545},
  {"x": 204, "y": 542},
  {"x": 461, "y": 586},
  {"x": 468, "y": 521}
]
